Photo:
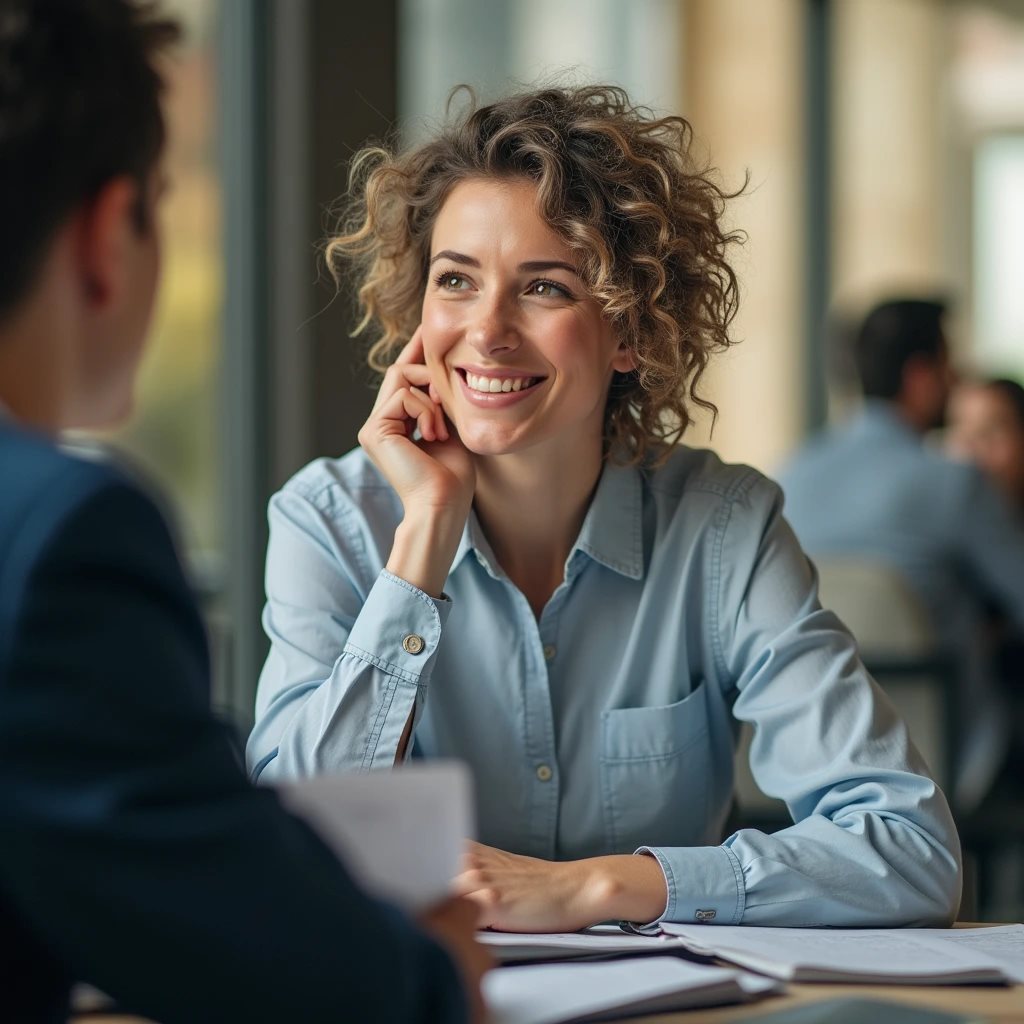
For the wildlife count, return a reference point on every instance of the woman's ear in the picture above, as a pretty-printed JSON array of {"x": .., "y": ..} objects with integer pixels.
[{"x": 624, "y": 359}]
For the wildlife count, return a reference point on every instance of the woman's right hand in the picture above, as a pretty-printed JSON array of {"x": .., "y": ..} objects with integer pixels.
[
  {"x": 453, "y": 924},
  {"x": 434, "y": 477}
]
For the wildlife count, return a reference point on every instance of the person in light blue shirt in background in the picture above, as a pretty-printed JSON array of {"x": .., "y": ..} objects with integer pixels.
[
  {"x": 871, "y": 488},
  {"x": 522, "y": 568}
]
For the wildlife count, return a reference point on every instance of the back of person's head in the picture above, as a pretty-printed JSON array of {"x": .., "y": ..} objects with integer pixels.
[
  {"x": 891, "y": 336},
  {"x": 79, "y": 106}
]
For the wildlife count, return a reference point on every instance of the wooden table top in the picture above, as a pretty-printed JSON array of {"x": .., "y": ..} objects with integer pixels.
[{"x": 995, "y": 1003}]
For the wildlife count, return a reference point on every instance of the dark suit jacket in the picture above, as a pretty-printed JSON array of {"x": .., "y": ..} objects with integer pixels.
[{"x": 133, "y": 853}]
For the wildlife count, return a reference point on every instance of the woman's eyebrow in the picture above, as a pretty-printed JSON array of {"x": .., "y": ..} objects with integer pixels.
[
  {"x": 455, "y": 257},
  {"x": 530, "y": 266},
  {"x": 542, "y": 265}
]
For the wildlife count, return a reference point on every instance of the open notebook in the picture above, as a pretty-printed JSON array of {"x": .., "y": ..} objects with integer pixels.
[
  {"x": 561, "y": 993},
  {"x": 603, "y": 941}
]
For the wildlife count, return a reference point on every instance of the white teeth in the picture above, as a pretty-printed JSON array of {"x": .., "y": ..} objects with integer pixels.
[{"x": 496, "y": 385}]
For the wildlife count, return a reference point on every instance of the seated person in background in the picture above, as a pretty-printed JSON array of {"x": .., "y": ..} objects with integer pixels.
[
  {"x": 986, "y": 426},
  {"x": 135, "y": 854},
  {"x": 545, "y": 584},
  {"x": 871, "y": 488}
]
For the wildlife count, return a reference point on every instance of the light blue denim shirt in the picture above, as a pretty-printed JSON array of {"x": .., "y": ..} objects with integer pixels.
[{"x": 608, "y": 724}]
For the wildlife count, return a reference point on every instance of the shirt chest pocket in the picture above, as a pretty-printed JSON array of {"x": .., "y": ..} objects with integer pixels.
[{"x": 654, "y": 774}]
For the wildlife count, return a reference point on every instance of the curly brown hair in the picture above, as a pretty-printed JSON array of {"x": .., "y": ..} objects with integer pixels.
[{"x": 623, "y": 190}]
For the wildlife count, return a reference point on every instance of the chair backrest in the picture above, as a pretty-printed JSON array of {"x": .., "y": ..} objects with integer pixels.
[
  {"x": 898, "y": 645},
  {"x": 877, "y": 606}
]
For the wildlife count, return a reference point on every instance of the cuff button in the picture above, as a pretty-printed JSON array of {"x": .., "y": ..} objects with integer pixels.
[{"x": 413, "y": 644}]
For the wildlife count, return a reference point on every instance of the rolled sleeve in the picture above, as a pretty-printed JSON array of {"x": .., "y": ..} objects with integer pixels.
[{"x": 352, "y": 646}]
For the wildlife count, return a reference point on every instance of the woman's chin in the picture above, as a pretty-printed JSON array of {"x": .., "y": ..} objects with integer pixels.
[{"x": 490, "y": 443}]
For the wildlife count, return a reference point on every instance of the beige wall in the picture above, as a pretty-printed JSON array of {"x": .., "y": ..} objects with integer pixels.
[
  {"x": 743, "y": 93},
  {"x": 889, "y": 156}
]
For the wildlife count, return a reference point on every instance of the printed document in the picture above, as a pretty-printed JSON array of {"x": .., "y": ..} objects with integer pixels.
[
  {"x": 899, "y": 956},
  {"x": 400, "y": 833}
]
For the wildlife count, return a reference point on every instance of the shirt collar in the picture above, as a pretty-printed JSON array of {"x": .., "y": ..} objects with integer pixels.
[
  {"x": 473, "y": 539},
  {"x": 612, "y": 532}
]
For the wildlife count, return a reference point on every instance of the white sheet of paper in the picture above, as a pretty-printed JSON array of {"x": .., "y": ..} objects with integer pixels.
[
  {"x": 891, "y": 955},
  {"x": 555, "y": 993},
  {"x": 601, "y": 940},
  {"x": 400, "y": 833},
  {"x": 1004, "y": 943}
]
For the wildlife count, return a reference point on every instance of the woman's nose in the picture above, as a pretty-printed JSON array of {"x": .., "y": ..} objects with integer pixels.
[{"x": 493, "y": 330}]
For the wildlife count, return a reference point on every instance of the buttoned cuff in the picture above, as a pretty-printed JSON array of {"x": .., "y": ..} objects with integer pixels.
[
  {"x": 399, "y": 628},
  {"x": 705, "y": 884}
]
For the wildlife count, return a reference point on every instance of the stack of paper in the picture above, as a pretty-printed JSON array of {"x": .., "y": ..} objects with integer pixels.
[
  {"x": 895, "y": 956},
  {"x": 561, "y": 993},
  {"x": 599, "y": 942}
]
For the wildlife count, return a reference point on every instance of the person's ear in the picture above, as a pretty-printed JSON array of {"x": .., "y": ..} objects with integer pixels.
[
  {"x": 624, "y": 359},
  {"x": 108, "y": 224}
]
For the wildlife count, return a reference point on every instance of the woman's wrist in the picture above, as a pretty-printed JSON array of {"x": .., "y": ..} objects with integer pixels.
[
  {"x": 625, "y": 888},
  {"x": 424, "y": 546}
]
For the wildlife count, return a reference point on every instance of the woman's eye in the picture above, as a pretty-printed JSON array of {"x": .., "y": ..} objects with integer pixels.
[
  {"x": 549, "y": 290},
  {"x": 452, "y": 282}
]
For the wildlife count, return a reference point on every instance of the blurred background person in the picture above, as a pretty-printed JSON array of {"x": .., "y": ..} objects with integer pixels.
[
  {"x": 986, "y": 425},
  {"x": 871, "y": 489}
]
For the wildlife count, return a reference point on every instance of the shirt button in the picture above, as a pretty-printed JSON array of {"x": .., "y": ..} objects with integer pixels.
[
  {"x": 413, "y": 644},
  {"x": 544, "y": 773},
  {"x": 549, "y": 651}
]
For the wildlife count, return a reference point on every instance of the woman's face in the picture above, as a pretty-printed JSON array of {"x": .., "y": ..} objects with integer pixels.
[
  {"x": 521, "y": 354},
  {"x": 984, "y": 428}
]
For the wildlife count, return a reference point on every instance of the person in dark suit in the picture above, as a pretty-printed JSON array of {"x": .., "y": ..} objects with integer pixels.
[{"x": 133, "y": 852}]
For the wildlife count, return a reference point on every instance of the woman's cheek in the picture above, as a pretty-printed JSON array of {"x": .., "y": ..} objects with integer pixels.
[
  {"x": 440, "y": 317},
  {"x": 440, "y": 328}
]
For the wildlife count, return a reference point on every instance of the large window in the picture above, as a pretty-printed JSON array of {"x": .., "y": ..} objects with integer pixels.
[{"x": 172, "y": 435}]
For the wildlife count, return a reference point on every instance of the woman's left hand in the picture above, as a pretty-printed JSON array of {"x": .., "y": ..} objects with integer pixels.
[{"x": 524, "y": 894}]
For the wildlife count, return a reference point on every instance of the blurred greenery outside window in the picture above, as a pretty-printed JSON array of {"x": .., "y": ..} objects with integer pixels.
[{"x": 172, "y": 437}]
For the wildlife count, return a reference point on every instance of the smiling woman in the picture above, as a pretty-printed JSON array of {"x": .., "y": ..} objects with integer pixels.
[{"x": 521, "y": 567}]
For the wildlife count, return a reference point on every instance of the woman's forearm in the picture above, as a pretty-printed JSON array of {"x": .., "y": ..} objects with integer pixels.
[
  {"x": 625, "y": 888},
  {"x": 424, "y": 546}
]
